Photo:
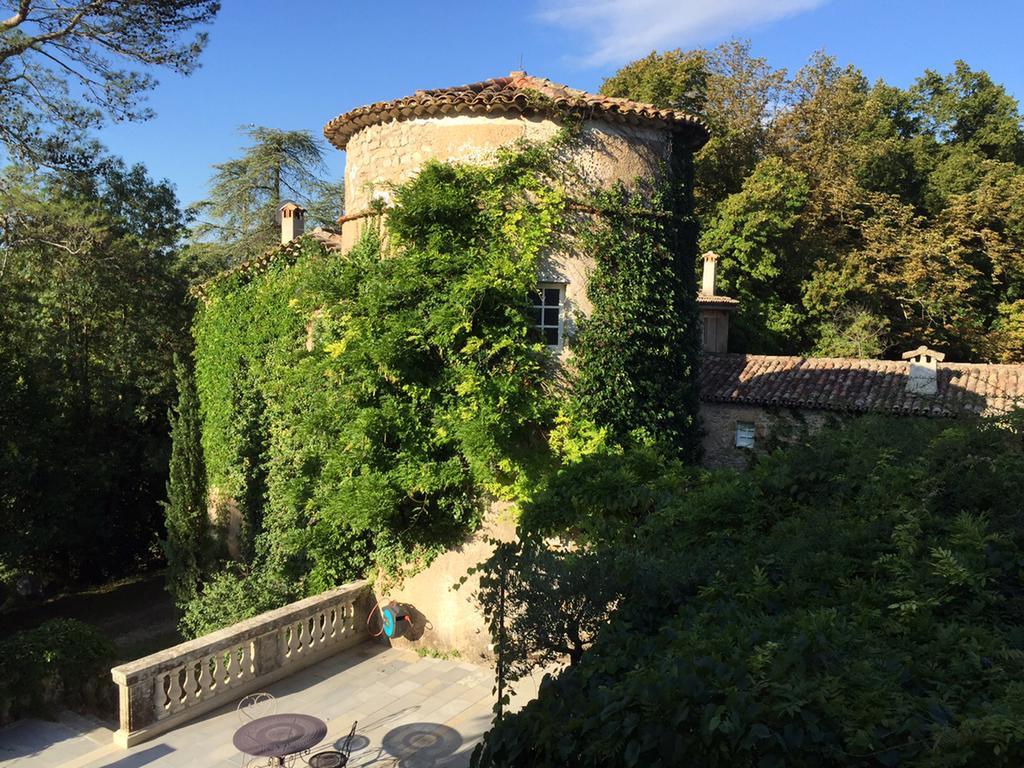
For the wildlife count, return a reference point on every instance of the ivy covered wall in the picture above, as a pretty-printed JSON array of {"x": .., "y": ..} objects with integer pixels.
[{"x": 359, "y": 409}]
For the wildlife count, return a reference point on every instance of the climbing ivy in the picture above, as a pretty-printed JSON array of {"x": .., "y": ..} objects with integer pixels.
[
  {"x": 636, "y": 354},
  {"x": 359, "y": 409}
]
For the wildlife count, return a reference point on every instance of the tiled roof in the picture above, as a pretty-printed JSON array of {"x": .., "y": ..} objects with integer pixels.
[
  {"x": 714, "y": 298},
  {"x": 855, "y": 385},
  {"x": 518, "y": 93},
  {"x": 258, "y": 264}
]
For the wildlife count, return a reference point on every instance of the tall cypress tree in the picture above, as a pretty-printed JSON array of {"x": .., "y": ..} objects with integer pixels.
[{"x": 188, "y": 543}]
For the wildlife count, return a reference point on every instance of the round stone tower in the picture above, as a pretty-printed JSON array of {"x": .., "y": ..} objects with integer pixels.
[{"x": 621, "y": 140}]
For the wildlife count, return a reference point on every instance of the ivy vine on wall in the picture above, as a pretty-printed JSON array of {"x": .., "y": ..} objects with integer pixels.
[{"x": 358, "y": 409}]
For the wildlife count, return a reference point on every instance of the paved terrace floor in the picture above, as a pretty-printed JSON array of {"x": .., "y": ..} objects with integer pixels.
[{"x": 413, "y": 712}]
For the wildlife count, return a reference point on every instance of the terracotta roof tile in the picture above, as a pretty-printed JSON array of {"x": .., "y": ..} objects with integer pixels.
[
  {"x": 861, "y": 386},
  {"x": 714, "y": 298},
  {"x": 518, "y": 94}
]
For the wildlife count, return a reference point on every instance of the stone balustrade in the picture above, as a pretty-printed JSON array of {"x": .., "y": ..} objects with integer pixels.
[{"x": 164, "y": 690}]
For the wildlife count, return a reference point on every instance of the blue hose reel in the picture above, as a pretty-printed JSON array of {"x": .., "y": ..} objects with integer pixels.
[{"x": 392, "y": 617}]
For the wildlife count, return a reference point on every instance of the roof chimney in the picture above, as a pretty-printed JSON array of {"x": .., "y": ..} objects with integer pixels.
[
  {"x": 923, "y": 373},
  {"x": 710, "y": 273},
  {"x": 292, "y": 217}
]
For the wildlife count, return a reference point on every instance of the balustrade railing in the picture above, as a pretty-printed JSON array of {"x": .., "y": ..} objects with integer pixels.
[{"x": 168, "y": 688}]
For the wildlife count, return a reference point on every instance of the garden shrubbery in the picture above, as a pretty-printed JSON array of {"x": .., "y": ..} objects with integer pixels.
[
  {"x": 63, "y": 663},
  {"x": 855, "y": 600}
]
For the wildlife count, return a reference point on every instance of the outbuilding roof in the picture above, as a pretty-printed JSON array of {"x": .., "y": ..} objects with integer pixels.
[
  {"x": 519, "y": 93},
  {"x": 858, "y": 385},
  {"x": 714, "y": 300}
]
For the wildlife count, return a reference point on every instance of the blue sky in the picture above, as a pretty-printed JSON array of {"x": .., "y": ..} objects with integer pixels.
[{"x": 297, "y": 65}]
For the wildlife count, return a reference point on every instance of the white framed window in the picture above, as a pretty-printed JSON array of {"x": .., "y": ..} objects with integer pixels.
[
  {"x": 745, "y": 434},
  {"x": 546, "y": 312}
]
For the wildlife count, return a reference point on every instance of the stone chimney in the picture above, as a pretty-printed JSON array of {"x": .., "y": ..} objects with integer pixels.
[
  {"x": 714, "y": 309},
  {"x": 292, "y": 217},
  {"x": 710, "y": 273},
  {"x": 923, "y": 370}
]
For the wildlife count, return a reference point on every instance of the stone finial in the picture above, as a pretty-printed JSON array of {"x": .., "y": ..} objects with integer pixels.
[
  {"x": 923, "y": 370},
  {"x": 292, "y": 217},
  {"x": 710, "y": 273}
]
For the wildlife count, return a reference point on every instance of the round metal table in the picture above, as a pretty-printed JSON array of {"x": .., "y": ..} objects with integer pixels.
[{"x": 279, "y": 736}]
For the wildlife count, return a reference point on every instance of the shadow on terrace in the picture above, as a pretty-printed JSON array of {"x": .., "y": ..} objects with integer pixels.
[{"x": 316, "y": 657}]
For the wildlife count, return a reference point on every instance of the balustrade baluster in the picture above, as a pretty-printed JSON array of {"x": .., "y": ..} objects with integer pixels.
[
  {"x": 245, "y": 661},
  {"x": 202, "y": 674},
  {"x": 167, "y": 688},
  {"x": 175, "y": 693},
  {"x": 189, "y": 686},
  {"x": 161, "y": 693},
  {"x": 227, "y": 664}
]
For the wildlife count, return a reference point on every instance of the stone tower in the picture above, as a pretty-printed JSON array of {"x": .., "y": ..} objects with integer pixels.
[{"x": 621, "y": 140}]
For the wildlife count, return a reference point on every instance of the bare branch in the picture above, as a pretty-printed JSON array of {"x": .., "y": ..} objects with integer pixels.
[{"x": 17, "y": 18}]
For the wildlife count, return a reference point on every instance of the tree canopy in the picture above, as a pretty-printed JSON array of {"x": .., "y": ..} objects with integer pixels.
[
  {"x": 65, "y": 66},
  {"x": 850, "y": 215},
  {"x": 853, "y": 600},
  {"x": 91, "y": 311}
]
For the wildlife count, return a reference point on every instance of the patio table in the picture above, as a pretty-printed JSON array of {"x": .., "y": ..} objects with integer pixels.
[{"x": 278, "y": 736}]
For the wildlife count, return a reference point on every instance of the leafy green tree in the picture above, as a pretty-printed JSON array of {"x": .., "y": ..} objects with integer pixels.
[
  {"x": 906, "y": 230},
  {"x": 92, "y": 309},
  {"x": 246, "y": 192},
  {"x": 670, "y": 80},
  {"x": 966, "y": 108},
  {"x": 187, "y": 547},
  {"x": 758, "y": 233},
  {"x": 61, "y": 65},
  {"x": 735, "y": 92},
  {"x": 852, "y": 333},
  {"x": 821, "y": 609}
]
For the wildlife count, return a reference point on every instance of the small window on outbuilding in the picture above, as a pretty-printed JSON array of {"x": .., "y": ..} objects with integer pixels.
[
  {"x": 745, "y": 434},
  {"x": 546, "y": 312}
]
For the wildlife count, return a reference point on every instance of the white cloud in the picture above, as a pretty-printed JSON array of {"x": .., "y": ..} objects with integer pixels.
[{"x": 621, "y": 30}]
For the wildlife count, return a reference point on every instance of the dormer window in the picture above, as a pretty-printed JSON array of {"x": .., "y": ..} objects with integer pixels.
[{"x": 546, "y": 312}]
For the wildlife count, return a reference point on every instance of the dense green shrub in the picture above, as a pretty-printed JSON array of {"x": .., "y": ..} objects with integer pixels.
[
  {"x": 63, "y": 663},
  {"x": 233, "y": 595},
  {"x": 855, "y": 600}
]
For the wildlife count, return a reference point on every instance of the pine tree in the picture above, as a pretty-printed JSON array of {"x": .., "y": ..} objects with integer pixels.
[{"x": 188, "y": 543}]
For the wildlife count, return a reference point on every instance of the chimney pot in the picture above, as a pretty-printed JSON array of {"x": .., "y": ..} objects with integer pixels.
[
  {"x": 710, "y": 273},
  {"x": 291, "y": 216}
]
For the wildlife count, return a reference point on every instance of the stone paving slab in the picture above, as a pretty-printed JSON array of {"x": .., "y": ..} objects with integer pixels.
[{"x": 412, "y": 712}]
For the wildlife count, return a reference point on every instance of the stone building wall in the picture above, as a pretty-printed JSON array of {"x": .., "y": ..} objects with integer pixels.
[{"x": 772, "y": 426}]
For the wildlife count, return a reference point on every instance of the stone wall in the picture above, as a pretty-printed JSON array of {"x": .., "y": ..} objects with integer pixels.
[
  {"x": 772, "y": 427},
  {"x": 449, "y": 619}
]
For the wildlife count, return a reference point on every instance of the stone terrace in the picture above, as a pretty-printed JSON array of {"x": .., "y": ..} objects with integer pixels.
[{"x": 413, "y": 712}]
